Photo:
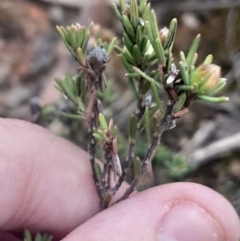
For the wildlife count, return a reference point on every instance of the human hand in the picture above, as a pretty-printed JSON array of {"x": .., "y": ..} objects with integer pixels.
[{"x": 46, "y": 185}]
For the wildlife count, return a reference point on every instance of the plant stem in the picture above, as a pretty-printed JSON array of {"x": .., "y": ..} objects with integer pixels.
[{"x": 165, "y": 123}]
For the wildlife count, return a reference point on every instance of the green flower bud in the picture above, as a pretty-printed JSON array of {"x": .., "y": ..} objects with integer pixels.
[{"x": 206, "y": 78}]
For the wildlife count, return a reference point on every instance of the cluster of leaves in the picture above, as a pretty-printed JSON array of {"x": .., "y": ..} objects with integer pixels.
[
  {"x": 38, "y": 237},
  {"x": 148, "y": 59}
]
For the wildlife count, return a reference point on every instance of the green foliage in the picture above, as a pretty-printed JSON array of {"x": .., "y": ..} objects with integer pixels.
[{"x": 38, "y": 237}]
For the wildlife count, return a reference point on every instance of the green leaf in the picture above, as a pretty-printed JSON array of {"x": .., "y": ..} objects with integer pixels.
[
  {"x": 38, "y": 237},
  {"x": 137, "y": 167},
  {"x": 132, "y": 127},
  {"x": 184, "y": 72},
  {"x": 153, "y": 25},
  {"x": 116, "y": 11},
  {"x": 193, "y": 50},
  {"x": 128, "y": 27},
  {"x": 122, "y": 5},
  {"x": 147, "y": 125},
  {"x": 145, "y": 88},
  {"x": 97, "y": 169},
  {"x": 133, "y": 88},
  {"x": 127, "y": 65},
  {"x": 208, "y": 59},
  {"x": 181, "y": 101},
  {"x": 114, "y": 130},
  {"x": 160, "y": 52},
  {"x": 102, "y": 121},
  {"x": 70, "y": 116},
  {"x": 171, "y": 35},
  {"x": 134, "y": 17},
  {"x": 145, "y": 12},
  {"x": 97, "y": 137},
  {"x": 183, "y": 58},
  {"x": 103, "y": 135},
  {"x": 118, "y": 49},
  {"x": 142, "y": 4},
  {"x": 129, "y": 58},
  {"x": 213, "y": 99},
  {"x": 139, "y": 37},
  {"x": 111, "y": 45},
  {"x": 155, "y": 94},
  {"x": 128, "y": 42},
  {"x": 27, "y": 235},
  {"x": 137, "y": 55}
]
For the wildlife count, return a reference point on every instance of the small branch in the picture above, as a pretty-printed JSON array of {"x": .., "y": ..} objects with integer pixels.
[
  {"x": 126, "y": 165},
  {"x": 165, "y": 123},
  {"x": 92, "y": 147}
]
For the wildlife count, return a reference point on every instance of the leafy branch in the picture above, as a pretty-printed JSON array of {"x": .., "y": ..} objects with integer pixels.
[{"x": 147, "y": 56}]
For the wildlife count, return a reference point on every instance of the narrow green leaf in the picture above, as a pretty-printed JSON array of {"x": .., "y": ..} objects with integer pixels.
[
  {"x": 145, "y": 88},
  {"x": 160, "y": 52},
  {"x": 49, "y": 238},
  {"x": 97, "y": 137},
  {"x": 139, "y": 37},
  {"x": 181, "y": 101},
  {"x": 183, "y": 58},
  {"x": 44, "y": 236},
  {"x": 155, "y": 93},
  {"x": 170, "y": 59},
  {"x": 137, "y": 167},
  {"x": 132, "y": 127},
  {"x": 38, "y": 237},
  {"x": 213, "y": 99},
  {"x": 143, "y": 45},
  {"x": 153, "y": 24},
  {"x": 114, "y": 130},
  {"x": 97, "y": 169},
  {"x": 137, "y": 55},
  {"x": 128, "y": 42},
  {"x": 118, "y": 49},
  {"x": 147, "y": 125},
  {"x": 134, "y": 17},
  {"x": 133, "y": 88},
  {"x": 81, "y": 56},
  {"x": 208, "y": 59},
  {"x": 220, "y": 86},
  {"x": 127, "y": 65},
  {"x": 116, "y": 11},
  {"x": 122, "y": 5},
  {"x": 171, "y": 35},
  {"x": 102, "y": 121},
  {"x": 145, "y": 12},
  {"x": 142, "y": 4},
  {"x": 111, "y": 45},
  {"x": 132, "y": 75},
  {"x": 184, "y": 72},
  {"x": 186, "y": 87},
  {"x": 103, "y": 135},
  {"x": 69, "y": 115},
  {"x": 129, "y": 58},
  {"x": 193, "y": 50},
  {"x": 128, "y": 27},
  {"x": 27, "y": 235},
  {"x": 194, "y": 60}
]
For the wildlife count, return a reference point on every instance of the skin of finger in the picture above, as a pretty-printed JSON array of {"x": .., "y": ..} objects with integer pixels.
[
  {"x": 46, "y": 182},
  {"x": 139, "y": 217},
  {"x": 8, "y": 237}
]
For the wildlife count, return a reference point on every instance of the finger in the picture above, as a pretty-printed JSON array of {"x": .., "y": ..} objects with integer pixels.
[
  {"x": 8, "y": 237},
  {"x": 172, "y": 212},
  {"x": 46, "y": 182}
]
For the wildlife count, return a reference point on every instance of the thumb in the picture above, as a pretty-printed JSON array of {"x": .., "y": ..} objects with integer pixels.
[{"x": 173, "y": 212}]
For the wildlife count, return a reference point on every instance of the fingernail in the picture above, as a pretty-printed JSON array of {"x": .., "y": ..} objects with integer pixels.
[{"x": 188, "y": 222}]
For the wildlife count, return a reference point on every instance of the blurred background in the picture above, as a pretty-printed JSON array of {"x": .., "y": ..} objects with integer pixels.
[{"x": 205, "y": 145}]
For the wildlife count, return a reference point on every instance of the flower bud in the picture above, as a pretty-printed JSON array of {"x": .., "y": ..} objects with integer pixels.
[
  {"x": 206, "y": 78},
  {"x": 163, "y": 33}
]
